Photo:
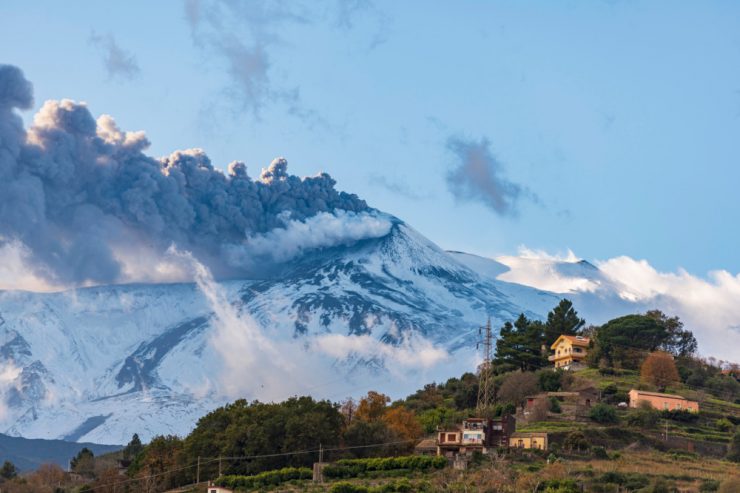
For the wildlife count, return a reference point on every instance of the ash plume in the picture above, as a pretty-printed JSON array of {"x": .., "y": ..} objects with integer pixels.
[{"x": 86, "y": 205}]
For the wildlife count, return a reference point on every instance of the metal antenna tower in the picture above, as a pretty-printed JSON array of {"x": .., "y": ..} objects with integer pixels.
[{"x": 485, "y": 377}]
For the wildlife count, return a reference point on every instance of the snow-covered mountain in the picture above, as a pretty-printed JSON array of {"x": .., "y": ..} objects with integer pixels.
[{"x": 100, "y": 363}]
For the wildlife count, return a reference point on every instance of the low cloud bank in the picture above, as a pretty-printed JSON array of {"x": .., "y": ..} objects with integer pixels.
[
  {"x": 708, "y": 306},
  {"x": 259, "y": 363},
  {"x": 81, "y": 203}
]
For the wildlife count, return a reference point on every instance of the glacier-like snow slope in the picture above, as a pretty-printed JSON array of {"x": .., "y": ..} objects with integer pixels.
[{"x": 99, "y": 364}]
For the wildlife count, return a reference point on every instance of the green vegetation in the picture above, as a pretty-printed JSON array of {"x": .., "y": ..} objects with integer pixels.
[
  {"x": 265, "y": 479},
  {"x": 351, "y": 468}
]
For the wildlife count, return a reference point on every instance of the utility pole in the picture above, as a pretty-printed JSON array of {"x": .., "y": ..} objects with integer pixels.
[
  {"x": 219, "y": 466},
  {"x": 197, "y": 472},
  {"x": 321, "y": 460},
  {"x": 485, "y": 379}
]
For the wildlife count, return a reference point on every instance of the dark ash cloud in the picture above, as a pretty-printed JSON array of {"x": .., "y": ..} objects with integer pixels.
[
  {"x": 88, "y": 204},
  {"x": 478, "y": 175},
  {"x": 118, "y": 63}
]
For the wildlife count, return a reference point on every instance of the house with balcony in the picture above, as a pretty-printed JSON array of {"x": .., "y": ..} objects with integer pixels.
[
  {"x": 569, "y": 352},
  {"x": 662, "y": 402},
  {"x": 474, "y": 434}
]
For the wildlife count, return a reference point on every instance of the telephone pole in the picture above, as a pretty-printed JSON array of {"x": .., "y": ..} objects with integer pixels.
[{"x": 485, "y": 379}]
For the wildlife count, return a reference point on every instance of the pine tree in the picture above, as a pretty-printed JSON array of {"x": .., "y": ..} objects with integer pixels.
[
  {"x": 8, "y": 471},
  {"x": 563, "y": 319},
  {"x": 519, "y": 346}
]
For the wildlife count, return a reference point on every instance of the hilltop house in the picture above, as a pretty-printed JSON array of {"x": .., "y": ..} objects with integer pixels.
[
  {"x": 528, "y": 440},
  {"x": 475, "y": 434},
  {"x": 569, "y": 351},
  {"x": 663, "y": 402}
]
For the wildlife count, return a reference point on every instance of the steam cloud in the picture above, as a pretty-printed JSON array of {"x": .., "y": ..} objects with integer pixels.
[{"x": 81, "y": 203}]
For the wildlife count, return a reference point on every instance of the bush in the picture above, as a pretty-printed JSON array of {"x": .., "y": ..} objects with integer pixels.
[
  {"x": 549, "y": 380},
  {"x": 680, "y": 415},
  {"x": 559, "y": 486},
  {"x": 345, "y": 487},
  {"x": 660, "y": 485},
  {"x": 576, "y": 441},
  {"x": 599, "y": 453},
  {"x": 264, "y": 479},
  {"x": 724, "y": 424},
  {"x": 351, "y": 468},
  {"x": 708, "y": 486},
  {"x": 643, "y": 417},
  {"x": 555, "y": 405},
  {"x": 601, "y": 413}
]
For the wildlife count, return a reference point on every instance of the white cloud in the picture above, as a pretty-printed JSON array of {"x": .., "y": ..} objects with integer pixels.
[
  {"x": 540, "y": 269},
  {"x": 708, "y": 306},
  {"x": 325, "y": 229},
  {"x": 257, "y": 362},
  {"x": 16, "y": 272}
]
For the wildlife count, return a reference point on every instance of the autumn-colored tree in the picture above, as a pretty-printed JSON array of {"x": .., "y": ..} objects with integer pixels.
[
  {"x": 659, "y": 369},
  {"x": 517, "y": 386},
  {"x": 110, "y": 481},
  {"x": 372, "y": 406},
  {"x": 403, "y": 423}
]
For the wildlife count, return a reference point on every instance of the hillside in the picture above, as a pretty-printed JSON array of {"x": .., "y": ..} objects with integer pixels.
[{"x": 29, "y": 454}]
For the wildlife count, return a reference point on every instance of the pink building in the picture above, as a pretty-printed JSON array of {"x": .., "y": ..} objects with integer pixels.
[{"x": 663, "y": 402}]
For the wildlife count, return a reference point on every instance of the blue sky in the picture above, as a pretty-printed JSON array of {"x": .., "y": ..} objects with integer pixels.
[{"x": 616, "y": 123}]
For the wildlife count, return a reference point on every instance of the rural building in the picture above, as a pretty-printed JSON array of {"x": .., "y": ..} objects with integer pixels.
[
  {"x": 428, "y": 446},
  {"x": 476, "y": 434},
  {"x": 569, "y": 351},
  {"x": 528, "y": 440},
  {"x": 663, "y": 402}
]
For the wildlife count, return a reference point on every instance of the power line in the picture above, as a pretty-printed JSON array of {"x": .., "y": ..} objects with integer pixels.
[{"x": 208, "y": 460}]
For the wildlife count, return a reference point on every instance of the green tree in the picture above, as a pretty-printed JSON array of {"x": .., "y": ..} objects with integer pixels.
[
  {"x": 133, "y": 448},
  {"x": 624, "y": 340},
  {"x": 519, "y": 346},
  {"x": 563, "y": 319},
  {"x": 84, "y": 462},
  {"x": 679, "y": 342},
  {"x": 8, "y": 471}
]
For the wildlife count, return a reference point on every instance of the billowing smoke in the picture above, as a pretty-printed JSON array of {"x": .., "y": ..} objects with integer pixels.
[{"x": 86, "y": 205}]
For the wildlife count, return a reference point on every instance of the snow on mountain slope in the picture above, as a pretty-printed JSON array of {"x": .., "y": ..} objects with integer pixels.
[{"x": 99, "y": 364}]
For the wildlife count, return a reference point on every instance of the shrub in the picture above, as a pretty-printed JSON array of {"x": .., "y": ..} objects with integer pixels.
[
  {"x": 643, "y": 417},
  {"x": 350, "y": 468},
  {"x": 599, "y": 453},
  {"x": 724, "y": 424},
  {"x": 549, "y": 380},
  {"x": 555, "y": 405},
  {"x": 267, "y": 478},
  {"x": 346, "y": 487},
  {"x": 680, "y": 415},
  {"x": 602, "y": 413},
  {"x": 610, "y": 389},
  {"x": 660, "y": 485},
  {"x": 576, "y": 441},
  {"x": 559, "y": 486},
  {"x": 708, "y": 486}
]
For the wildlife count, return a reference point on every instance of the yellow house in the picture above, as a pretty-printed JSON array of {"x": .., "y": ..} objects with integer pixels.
[
  {"x": 569, "y": 351},
  {"x": 528, "y": 440}
]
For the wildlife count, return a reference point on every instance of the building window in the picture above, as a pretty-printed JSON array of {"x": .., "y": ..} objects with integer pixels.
[
  {"x": 521, "y": 443},
  {"x": 451, "y": 437}
]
